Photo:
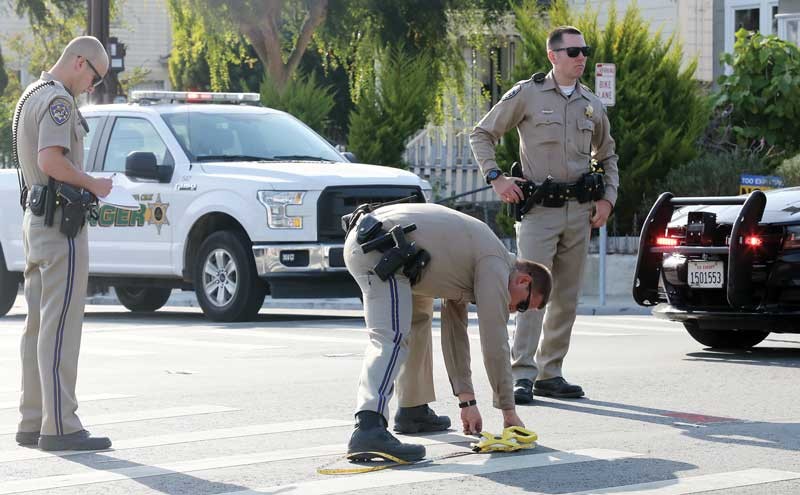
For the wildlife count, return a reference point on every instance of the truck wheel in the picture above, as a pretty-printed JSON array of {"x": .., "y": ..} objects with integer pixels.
[
  {"x": 9, "y": 286},
  {"x": 225, "y": 279},
  {"x": 142, "y": 299},
  {"x": 725, "y": 339}
]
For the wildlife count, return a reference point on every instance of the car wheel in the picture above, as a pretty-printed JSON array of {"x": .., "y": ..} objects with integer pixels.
[
  {"x": 141, "y": 298},
  {"x": 9, "y": 287},
  {"x": 725, "y": 339},
  {"x": 225, "y": 278}
]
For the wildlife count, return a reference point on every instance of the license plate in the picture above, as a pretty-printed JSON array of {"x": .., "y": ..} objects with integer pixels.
[{"x": 706, "y": 274}]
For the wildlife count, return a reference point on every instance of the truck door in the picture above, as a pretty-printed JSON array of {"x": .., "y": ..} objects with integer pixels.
[{"x": 133, "y": 242}]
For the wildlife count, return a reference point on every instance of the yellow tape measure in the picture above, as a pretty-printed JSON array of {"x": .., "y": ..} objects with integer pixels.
[{"x": 512, "y": 439}]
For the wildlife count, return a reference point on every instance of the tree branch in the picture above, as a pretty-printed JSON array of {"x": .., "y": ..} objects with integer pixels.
[{"x": 317, "y": 11}]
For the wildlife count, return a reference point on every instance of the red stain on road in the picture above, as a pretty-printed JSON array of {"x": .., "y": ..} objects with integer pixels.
[{"x": 700, "y": 418}]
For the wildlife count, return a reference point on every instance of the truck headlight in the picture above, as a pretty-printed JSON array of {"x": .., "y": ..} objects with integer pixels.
[{"x": 277, "y": 204}]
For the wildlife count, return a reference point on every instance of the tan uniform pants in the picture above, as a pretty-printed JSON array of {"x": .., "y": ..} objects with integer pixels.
[
  {"x": 559, "y": 239},
  {"x": 389, "y": 310},
  {"x": 56, "y": 276}
]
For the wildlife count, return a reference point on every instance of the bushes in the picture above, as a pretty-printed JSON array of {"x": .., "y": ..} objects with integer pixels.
[
  {"x": 302, "y": 97},
  {"x": 790, "y": 171},
  {"x": 392, "y": 106},
  {"x": 763, "y": 92},
  {"x": 661, "y": 110},
  {"x": 711, "y": 174}
]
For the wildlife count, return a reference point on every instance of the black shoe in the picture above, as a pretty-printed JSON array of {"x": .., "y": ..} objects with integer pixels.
[
  {"x": 557, "y": 387},
  {"x": 80, "y": 440},
  {"x": 371, "y": 436},
  {"x": 27, "y": 438},
  {"x": 522, "y": 391},
  {"x": 419, "y": 419}
]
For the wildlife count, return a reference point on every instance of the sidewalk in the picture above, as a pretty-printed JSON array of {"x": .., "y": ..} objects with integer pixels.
[{"x": 588, "y": 305}]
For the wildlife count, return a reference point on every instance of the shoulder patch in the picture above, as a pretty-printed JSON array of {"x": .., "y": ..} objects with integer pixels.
[
  {"x": 60, "y": 110},
  {"x": 512, "y": 92}
]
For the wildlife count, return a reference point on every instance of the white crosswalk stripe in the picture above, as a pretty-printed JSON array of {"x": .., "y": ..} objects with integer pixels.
[
  {"x": 83, "y": 398},
  {"x": 171, "y": 412}
]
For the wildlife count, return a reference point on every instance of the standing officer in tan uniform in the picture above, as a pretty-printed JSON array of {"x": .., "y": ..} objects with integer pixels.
[
  {"x": 452, "y": 256},
  {"x": 562, "y": 126},
  {"x": 49, "y": 133}
]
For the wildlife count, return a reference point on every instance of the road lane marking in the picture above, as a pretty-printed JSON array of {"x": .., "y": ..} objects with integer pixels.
[
  {"x": 81, "y": 398},
  {"x": 698, "y": 484},
  {"x": 170, "y": 412},
  {"x": 61, "y": 481},
  {"x": 187, "y": 342},
  {"x": 20, "y": 454},
  {"x": 287, "y": 336},
  {"x": 479, "y": 466}
]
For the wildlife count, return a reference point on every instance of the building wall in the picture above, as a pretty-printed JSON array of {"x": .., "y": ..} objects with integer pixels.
[
  {"x": 690, "y": 20},
  {"x": 144, "y": 27},
  {"x": 789, "y": 6}
]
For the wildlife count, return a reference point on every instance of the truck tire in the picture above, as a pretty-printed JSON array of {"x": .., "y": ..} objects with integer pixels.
[
  {"x": 9, "y": 287},
  {"x": 142, "y": 299},
  {"x": 725, "y": 339},
  {"x": 225, "y": 279}
]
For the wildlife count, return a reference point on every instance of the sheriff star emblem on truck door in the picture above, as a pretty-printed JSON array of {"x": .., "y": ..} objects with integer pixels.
[{"x": 157, "y": 213}]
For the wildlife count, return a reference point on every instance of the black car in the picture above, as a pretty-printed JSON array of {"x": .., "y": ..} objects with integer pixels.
[{"x": 728, "y": 268}]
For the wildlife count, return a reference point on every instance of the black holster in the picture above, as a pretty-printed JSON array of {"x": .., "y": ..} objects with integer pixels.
[
  {"x": 397, "y": 251},
  {"x": 76, "y": 205}
]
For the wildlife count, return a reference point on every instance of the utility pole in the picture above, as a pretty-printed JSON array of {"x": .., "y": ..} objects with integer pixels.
[{"x": 98, "y": 24}]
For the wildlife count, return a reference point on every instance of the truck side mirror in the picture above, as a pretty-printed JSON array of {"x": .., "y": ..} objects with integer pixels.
[{"x": 142, "y": 165}]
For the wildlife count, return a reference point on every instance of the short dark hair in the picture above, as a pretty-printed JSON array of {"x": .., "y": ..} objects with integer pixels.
[
  {"x": 557, "y": 35},
  {"x": 540, "y": 278}
]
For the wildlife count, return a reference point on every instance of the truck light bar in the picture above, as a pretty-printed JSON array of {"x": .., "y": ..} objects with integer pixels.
[{"x": 195, "y": 96}]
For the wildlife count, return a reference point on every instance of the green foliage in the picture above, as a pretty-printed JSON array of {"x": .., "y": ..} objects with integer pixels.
[
  {"x": 393, "y": 105},
  {"x": 763, "y": 91},
  {"x": 660, "y": 110},
  {"x": 303, "y": 97},
  {"x": 790, "y": 171},
  {"x": 208, "y": 59},
  {"x": 711, "y": 174},
  {"x": 8, "y": 102}
]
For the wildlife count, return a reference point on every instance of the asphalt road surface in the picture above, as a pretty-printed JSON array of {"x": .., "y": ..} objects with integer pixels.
[{"x": 196, "y": 407}]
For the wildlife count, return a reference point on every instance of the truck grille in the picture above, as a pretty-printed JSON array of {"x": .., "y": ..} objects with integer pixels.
[{"x": 337, "y": 201}]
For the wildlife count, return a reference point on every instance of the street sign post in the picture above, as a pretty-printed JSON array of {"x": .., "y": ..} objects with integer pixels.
[{"x": 605, "y": 83}]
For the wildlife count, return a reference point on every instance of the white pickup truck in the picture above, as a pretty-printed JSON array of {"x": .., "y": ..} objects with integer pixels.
[{"x": 236, "y": 201}]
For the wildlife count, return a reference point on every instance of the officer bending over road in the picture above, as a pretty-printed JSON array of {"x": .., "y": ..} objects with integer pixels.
[
  {"x": 406, "y": 253},
  {"x": 56, "y": 195}
]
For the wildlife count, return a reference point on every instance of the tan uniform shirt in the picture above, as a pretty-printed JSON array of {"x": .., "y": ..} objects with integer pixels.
[
  {"x": 558, "y": 135},
  {"x": 49, "y": 118},
  {"x": 468, "y": 264}
]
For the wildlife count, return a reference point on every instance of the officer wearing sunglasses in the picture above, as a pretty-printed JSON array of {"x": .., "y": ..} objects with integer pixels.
[
  {"x": 467, "y": 263},
  {"x": 48, "y": 132},
  {"x": 562, "y": 128}
]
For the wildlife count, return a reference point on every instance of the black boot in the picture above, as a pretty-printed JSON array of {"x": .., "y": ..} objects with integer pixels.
[
  {"x": 557, "y": 387},
  {"x": 523, "y": 391},
  {"x": 419, "y": 419},
  {"x": 27, "y": 438},
  {"x": 371, "y": 435},
  {"x": 79, "y": 440}
]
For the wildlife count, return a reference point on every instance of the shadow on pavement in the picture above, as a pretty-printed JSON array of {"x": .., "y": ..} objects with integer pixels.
[{"x": 757, "y": 356}]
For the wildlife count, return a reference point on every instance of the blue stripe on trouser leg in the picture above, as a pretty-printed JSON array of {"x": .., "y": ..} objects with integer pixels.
[
  {"x": 394, "y": 314},
  {"x": 60, "y": 335}
]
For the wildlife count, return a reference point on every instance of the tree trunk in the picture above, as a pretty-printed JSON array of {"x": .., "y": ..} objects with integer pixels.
[{"x": 264, "y": 34}]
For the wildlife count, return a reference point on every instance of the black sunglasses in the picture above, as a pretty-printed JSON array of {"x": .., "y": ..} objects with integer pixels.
[
  {"x": 523, "y": 305},
  {"x": 573, "y": 51},
  {"x": 97, "y": 80}
]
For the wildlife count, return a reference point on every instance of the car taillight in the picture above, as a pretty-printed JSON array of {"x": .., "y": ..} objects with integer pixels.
[
  {"x": 792, "y": 238},
  {"x": 753, "y": 241},
  {"x": 666, "y": 241}
]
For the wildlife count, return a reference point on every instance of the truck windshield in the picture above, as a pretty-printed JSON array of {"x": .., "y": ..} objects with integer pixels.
[{"x": 254, "y": 136}]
